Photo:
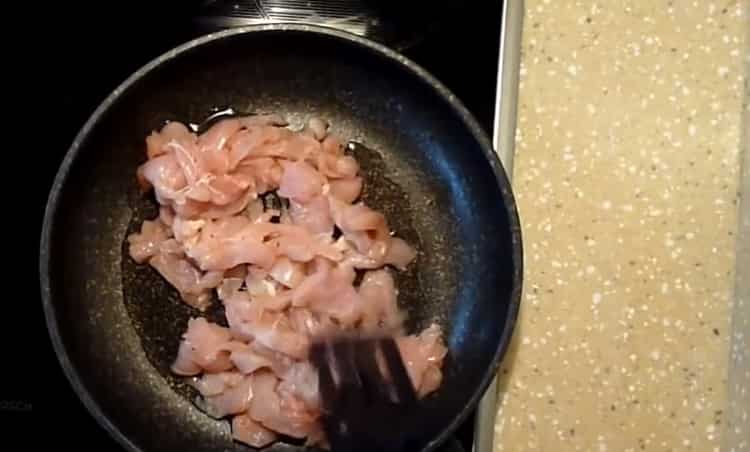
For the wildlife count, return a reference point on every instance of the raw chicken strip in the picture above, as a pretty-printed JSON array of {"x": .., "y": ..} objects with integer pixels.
[
  {"x": 318, "y": 128},
  {"x": 346, "y": 190},
  {"x": 156, "y": 143},
  {"x": 228, "y": 242},
  {"x": 246, "y": 430},
  {"x": 399, "y": 253},
  {"x": 329, "y": 291},
  {"x": 234, "y": 399},
  {"x": 300, "y": 182},
  {"x": 205, "y": 345},
  {"x": 287, "y": 415},
  {"x": 378, "y": 293},
  {"x": 250, "y": 321},
  {"x": 184, "y": 277},
  {"x": 301, "y": 381},
  {"x": 423, "y": 356},
  {"x": 215, "y": 384},
  {"x": 287, "y": 272},
  {"x": 164, "y": 174},
  {"x": 145, "y": 244},
  {"x": 313, "y": 325},
  {"x": 364, "y": 227},
  {"x": 248, "y": 360},
  {"x": 314, "y": 215}
]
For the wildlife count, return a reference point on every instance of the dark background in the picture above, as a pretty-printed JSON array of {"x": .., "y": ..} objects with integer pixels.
[{"x": 81, "y": 60}]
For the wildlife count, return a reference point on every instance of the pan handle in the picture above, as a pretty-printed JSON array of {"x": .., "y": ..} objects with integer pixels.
[{"x": 506, "y": 102}]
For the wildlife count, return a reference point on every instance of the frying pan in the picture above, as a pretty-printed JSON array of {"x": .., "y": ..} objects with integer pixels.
[{"x": 427, "y": 165}]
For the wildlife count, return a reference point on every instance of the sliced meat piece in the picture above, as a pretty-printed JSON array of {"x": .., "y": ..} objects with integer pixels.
[
  {"x": 249, "y": 320},
  {"x": 238, "y": 272},
  {"x": 184, "y": 364},
  {"x": 205, "y": 344},
  {"x": 164, "y": 174},
  {"x": 184, "y": 277},
  {"x": 431, "y": 380},
  {"x": 214, "y": 384},
  {"x": 251, "y": 357},
  {"x": 280, "y": 362},
  {"x": 353, "y": 258},
  {"x": 316, "y": 437},
  {"x": 225, "y": 189},
  {"x": 273, "y": 330},
  {"x": 378, "y": 292},
  {"x": 297, "y": 419},
  {"x": 232, "y": 400},
  {"x": 313, "y": 325},
  {"x": 247, "y": 360},
  {"x": 364, "y": 227},
  {"x": 211, "y": 280},
  {"x": 214, "y": 156},
  {"x": 187, "y": 155},
  {"x": 173, "y": 130},
  {"x": 246, "y": 143},
  {"x": 254, "y": 210},
  {"x": 265, "y": 173},
  {"x": 186, "y": 231},
  {"x": 314, "y": 215},
  {"x": 250, "y": 432},
  {"x": 265, "y": 403},
  {"x": 155, "y": 145},
  {"x": 295, "y": 146},
  {"x": 359, "y": 218},
  {"x": 287, "y": 272},
  {"x": 259, "y": 283},
  {"x": 299, "y": 245},
  {"x": 400, "y": 254},
  {"x": 287, "y": 415},
  {"x": 228, "y": 242},
  {"x": 423, "y": 356},
  {"x": 279, "y": 301},
  {"x": 301, "y": 381},
  {"x": 330, "y": 292},
  {"x": 145, "y": 244},
  {"x": 172, "y": 246},
  {"x": 317, "y": 127},
  {"x": 332, "y": 145},
  {"x": 336, "y": 166},
  {"x": 213, "y": 211},
  {"x": 300, "y": 181},
  {"x": 166, "y": 215},
  {"x": 346, "y": 190},
  {"x": 229, "y": 287}
]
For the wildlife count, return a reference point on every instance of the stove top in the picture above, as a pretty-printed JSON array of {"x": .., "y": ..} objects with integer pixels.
[{"x": 461, "y": 52}]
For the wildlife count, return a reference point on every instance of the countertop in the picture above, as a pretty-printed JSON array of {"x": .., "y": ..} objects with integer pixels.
[{"x": 627, "y": 170}]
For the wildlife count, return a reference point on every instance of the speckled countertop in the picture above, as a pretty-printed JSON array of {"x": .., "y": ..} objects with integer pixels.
[{"x": 627, "y": 167}]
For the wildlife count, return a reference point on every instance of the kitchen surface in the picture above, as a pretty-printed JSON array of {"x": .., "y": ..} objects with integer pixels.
[{"x": 627, "y": 169}]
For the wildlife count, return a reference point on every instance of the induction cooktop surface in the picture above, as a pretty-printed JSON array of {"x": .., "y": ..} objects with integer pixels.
[{"x": 91, "y": 55}]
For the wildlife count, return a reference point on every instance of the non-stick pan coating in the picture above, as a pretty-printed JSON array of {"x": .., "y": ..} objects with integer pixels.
[{"x": 116, "y": 325}]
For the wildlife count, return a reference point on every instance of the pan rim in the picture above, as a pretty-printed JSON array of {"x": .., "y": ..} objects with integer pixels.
[{"x": 441, "y": 90}]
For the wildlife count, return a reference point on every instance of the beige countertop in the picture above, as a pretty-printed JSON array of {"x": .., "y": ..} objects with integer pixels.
[{"x": 627, "y": 167}]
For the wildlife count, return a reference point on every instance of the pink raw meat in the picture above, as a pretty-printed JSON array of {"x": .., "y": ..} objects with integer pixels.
[{"x": 281, "y": 276}]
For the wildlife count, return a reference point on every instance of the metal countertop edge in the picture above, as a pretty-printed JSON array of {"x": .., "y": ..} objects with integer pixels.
[
  {"x": 737, "y": 425},
  {"x": 503, "y": 140}
]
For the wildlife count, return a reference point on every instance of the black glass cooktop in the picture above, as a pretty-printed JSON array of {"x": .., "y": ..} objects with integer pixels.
[{"x": 91, "y": 56}]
